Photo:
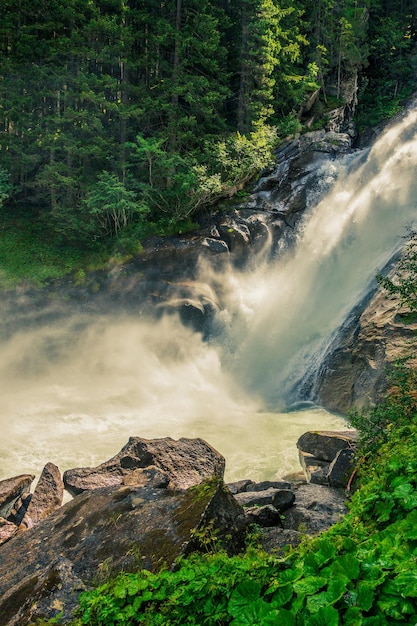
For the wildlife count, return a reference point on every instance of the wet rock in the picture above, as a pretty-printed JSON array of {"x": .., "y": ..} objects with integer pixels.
[
  {"x": 319, "y": 475},
  {"x": 105, "y": 531},
  {"x": 218, "y": 246},
  {"x": 265, "y": 516},
  {"x": 11, "y": 489},
  {"x": 186, "y": 462},
  {"x": 324, "y": 445},
  {"x": 281, "y": 499},
  {"x": 341, "y": 468},
  {"x": 237, "y": 237},
  {"x": 269, "y": 484},
  {"x": 278, "y": 541},
  {"x": 354, "y": 371},
  {"x": 47, "y": 496},
  {"x": 240, "y": 485},
  {"x": 19, "y": 508},
  {"x": 148, "y": 477},
  {"x": 53, "y": 594},
  {"x": 316, "y": 508},
  {"x": 7, "y": 530},
  {"x": 333, "y": 142},
  {"x": 318, "y": 450}
]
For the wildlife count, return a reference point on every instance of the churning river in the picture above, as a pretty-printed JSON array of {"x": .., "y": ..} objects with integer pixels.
[{"x": 73, "y": 391}]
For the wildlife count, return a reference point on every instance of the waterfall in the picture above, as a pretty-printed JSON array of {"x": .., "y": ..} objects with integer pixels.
[
  {"x": 343, "y": 241},
  {"x": 74, "y": 389}
]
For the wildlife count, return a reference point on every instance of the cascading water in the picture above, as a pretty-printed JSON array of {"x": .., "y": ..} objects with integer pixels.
[
  {"x": 73, "y": 391},
  {"x": 342, "y": 243}
]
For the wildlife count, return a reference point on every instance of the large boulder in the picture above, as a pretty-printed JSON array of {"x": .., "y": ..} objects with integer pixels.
[
  {"x": 11, "y": 490},
  {"x": 324, "y": 445},
  {"x": 181, "y": 464},
  {"x": 281, "y": 499},
  {"x": 105, "y": 531},
  {"x": 47, "y": 496},
  {"x": 318, "y": 451}
]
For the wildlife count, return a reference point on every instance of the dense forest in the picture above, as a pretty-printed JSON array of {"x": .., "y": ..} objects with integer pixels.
[{"x": 123, "y": 118}]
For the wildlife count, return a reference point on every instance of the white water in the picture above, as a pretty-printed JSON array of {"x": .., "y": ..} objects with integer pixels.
[{"x": 73, "y": 393}]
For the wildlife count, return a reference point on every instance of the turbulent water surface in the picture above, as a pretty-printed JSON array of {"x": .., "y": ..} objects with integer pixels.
[{"x": 73, "y": 392}]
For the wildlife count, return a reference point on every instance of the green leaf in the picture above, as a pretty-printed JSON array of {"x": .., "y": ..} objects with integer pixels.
[
  {"x": 257, "y": 612},
  {"x": 311, "y": 564},
  {"x": 136, "y": 585},
  {"x": 326, "y": 616},
  {"x": 366, "y": 595},
  {"x": 347, "y": 565},
  {"x": 309, "y": 585},
  {"x": 335, "y": 591},
  {"x": 289, "y": 576},
  {"x": 406, "y": 584},
  {"x": 243, "y": 595},
  {"x": 325, "y": 551},
  {"x": 353, "y": 617},
  {"x": 285, "y": 618},
  {"x": 282, "y": 595}
]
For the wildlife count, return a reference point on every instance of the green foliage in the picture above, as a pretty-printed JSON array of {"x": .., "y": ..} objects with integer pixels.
[
  {"x": 112, "y": 205},
  {"x": 26, "y": 255},
  {"x": 187, "y": 98},
  {"x": 5, "y": 186},
  {"x": 404, "y": 284}
]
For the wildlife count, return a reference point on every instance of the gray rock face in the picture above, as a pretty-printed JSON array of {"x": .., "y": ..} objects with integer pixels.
[
  {"x": 11, "y": 490},
  {"x": 240, "y": 485},
  {"x": 181, "y": 464},
  {"x": 341, "y": 468},
  {"x": 318, "y": 452},
  {"x": 7, "y": 530},
  {"x": 324, "y": 445},
  {"x": 281, "y": 499},
  {"x": 354, "y": 370},
  {"x": 265, "y": 516},
  {"x": 316, "y": 508},
  {"x": 105, "y": 531},
  {"x": 47, "y": 496}
]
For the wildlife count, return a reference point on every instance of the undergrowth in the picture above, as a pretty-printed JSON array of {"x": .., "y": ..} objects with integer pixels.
[
  {"x": 361, "y": 572},
  {"x": 27, "y": 257}
]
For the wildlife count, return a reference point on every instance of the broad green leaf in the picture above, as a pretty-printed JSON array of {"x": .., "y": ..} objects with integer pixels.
[
  {"x": 135, "y": 585},
  {"x": 243, "y": 595},
  {"x": 403, "y": 490},
  {"x": 285, "y": 618},
  {"x": 366, "y": 594},
  {"x": 309, "y": 585},
  {"x": 337, "y": 588},
  {"x": 353, "y": 617},
  {"x": 325, "y": 551},
  {"x": 257, "y": 612},
  {"x": 335, "y": 591},
  {"x": 311, "y": 565},
  {"x": 289, "y": 576},
  {"x": 389, "y": 605},
  {"x": 326, "y": 616},
  {"x": 282, "y": 595},
  {"x": 375, "y": 621},
  {"x": 347, "y": 565},
  {"x": 406, "y": 584},
  {"x": 120, "y": 590}
]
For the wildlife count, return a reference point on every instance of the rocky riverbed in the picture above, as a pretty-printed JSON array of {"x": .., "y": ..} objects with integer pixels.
[{"x": 151, "y": 503}]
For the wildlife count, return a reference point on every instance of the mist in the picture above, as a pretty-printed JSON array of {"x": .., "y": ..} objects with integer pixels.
[{"x": 76, "y": 386}]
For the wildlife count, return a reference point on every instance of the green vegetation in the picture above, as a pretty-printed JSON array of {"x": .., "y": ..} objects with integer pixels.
[
  {"x": 363, "y": 571},
  {"x": 120, "y": 120}
]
